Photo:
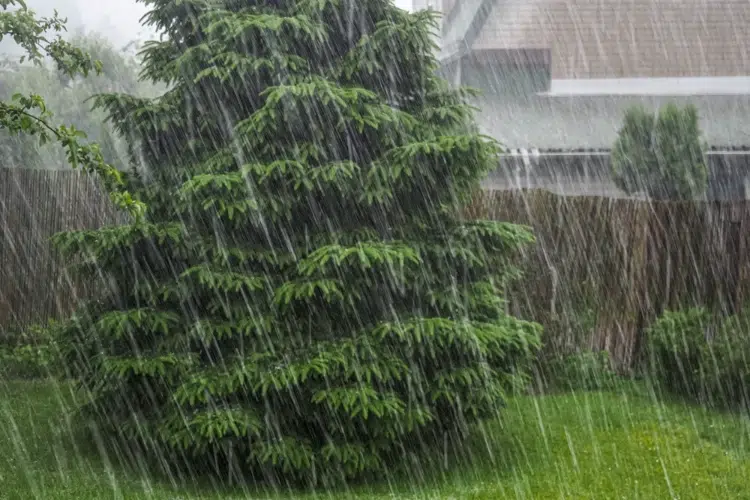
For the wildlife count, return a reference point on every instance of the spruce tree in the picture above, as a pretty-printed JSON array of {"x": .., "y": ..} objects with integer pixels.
[{"x": 302, "y": 299}]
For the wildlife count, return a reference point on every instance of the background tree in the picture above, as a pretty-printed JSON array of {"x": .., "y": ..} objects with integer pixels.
[
  {"x": 661, "y": 155},
  {"x": 68, "y": 95},
  {"x": 27, "y": 114},
  {"x": 302, "y": 300}
]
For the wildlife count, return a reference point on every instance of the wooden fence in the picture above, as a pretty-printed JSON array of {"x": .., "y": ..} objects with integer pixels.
[
  {"x": 603, "y": 268},
  {"x": 34, "y": 205}
]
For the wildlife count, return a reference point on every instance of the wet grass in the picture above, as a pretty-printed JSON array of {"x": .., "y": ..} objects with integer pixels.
[{"x": 597, "y": 445}]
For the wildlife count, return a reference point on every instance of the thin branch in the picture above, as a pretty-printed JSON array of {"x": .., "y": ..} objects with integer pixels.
[{"x": 12, "y": 109}]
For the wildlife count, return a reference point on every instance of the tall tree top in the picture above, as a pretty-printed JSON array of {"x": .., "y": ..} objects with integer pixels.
[{"x": 220, "y": 56}]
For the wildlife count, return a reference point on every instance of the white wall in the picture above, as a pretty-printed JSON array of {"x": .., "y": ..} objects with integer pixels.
[{"x": 513, "y": 112}]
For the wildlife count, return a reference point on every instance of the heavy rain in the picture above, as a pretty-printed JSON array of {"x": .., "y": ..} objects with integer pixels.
[{"x": 370, "y": 249}]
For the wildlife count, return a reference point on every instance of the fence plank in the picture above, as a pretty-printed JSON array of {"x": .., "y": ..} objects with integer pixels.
[
  {"x": 619, "y": 261},
  {"x": 35, "y": 205},
  {"x": 622, "y": 261}
]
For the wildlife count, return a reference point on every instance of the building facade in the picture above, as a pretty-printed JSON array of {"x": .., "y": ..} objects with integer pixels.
[{"x": 560, "y": 73}]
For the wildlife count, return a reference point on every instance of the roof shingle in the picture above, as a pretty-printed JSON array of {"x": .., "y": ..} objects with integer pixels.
[{"x": 626, "y": 38}]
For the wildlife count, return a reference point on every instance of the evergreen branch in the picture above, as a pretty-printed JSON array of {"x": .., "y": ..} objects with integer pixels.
[
  {"x": 164, "y": 366},
  {"x": 211, "y": 425},
  {"x": 365, "y": 255}
]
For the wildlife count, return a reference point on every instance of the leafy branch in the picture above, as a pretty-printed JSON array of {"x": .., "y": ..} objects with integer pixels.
[{"x": 30, "y": 115}]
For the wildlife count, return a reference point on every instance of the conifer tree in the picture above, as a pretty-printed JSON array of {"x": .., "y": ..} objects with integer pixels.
[{"x": 302, "y": 299}]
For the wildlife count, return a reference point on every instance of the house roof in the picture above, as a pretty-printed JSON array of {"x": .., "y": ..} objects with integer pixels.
[
  {"x": 562, "y": 73},
  {"x": 606, "y": 39},
  {"x": 463, "y": 22}
]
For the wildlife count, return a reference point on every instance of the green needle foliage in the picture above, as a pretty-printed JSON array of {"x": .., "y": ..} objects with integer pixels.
[{"x": 301, "y": 300}]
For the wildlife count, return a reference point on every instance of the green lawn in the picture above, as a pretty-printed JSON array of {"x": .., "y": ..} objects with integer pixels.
[{"x": 599, "y": 445}]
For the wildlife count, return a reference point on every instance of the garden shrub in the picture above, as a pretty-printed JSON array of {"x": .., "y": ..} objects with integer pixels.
[
  {"x": 661, "y": 154},
  {"x": 676, "y": 344},
  {"x": 696, "y": 354},
  {"x": 563, "y": 363},
  {"x": 725, "y": 363},
  {"x": 301, "y": 301},
  {"x": 32, "y": 352}
]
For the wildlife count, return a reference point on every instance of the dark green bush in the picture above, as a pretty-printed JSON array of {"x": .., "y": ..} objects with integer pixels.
[
  {"x": 661, "y": 155},
  {"x": 676, "y": 344},
  {"x": 701, "y": 356},
  {"x": 724, "y": 366},
  {"x": 32, "y": 352}
]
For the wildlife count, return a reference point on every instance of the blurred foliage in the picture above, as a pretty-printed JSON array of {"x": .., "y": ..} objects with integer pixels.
[
  {"x": 32, "y": 352},
  {"x": 566, "y": 361},
  {"x": 570, "y": 326},
  {"x": 69, "y": 97},
  {"x": 26, "y": 114},
  {"x": 675, "y": 345},
  {"x": 661, "y": 154},
  {"x": 584, "y": 370},
  {"x": 702, "y": 356},
  {"x": 302, "y": 300}
]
